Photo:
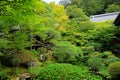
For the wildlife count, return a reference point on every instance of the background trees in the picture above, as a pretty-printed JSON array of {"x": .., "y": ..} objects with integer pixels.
[
  {"x": 93, "y": 7},
  {"x": 112, "y": 8}
]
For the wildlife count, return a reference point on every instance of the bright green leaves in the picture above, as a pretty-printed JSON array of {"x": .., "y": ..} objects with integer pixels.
[
  {"x": 64, "y": 51},
  {"x": 105, "y": 31},
  {"x": 49, "y": 34},
  {"x": 20, "y": 40},
  {"x": 59, "y": 15},
  {"x": 3, "y": 43},
  {"x": 66, "y": 72}
]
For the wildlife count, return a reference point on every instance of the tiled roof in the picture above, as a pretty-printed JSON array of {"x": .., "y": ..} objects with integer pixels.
[{"x": 104, "y": 17}]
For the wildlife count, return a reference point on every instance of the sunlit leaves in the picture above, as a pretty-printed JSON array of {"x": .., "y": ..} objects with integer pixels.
[
  {"x": 20, "y": 40},
  {"x": 59, "y": 13}
]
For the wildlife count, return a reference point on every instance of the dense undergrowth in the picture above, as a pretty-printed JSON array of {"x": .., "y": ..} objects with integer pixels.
[{"x": 55, "y": 43}]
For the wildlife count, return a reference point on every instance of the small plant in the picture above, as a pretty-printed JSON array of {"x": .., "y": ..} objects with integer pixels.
[
  {"x": 2, "y": 73},
  {"x": 13, "y": 72},
  {"x": 3, "y": 76},
  {"x": 35, "y": 70},
  {"x": 114, "y": 69}
]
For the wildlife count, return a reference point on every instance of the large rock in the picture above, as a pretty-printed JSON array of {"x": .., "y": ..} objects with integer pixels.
[
  {"x": 26, "y": 76},
  {"x": 32, "y": 63}
]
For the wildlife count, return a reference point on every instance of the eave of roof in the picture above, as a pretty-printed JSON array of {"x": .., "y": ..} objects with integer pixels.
[{"x": 104, "y": 17}]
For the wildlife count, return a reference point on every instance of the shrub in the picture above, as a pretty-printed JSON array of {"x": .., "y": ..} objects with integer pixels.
[
  {"x": 59, "y": 72},
  {"x": 106, "y": 54},
  {"x": 114, "y": 69},
  {"x": 113, "y": 8},
  {"x": 34, "y": 70},
  {"x": 65, "y": 52},
  {"x": 111, "y": 60},
  {"x": 65, "y": 72},
  {"x": 108, "y": 57},
  {"x": 95, "y": 63}
]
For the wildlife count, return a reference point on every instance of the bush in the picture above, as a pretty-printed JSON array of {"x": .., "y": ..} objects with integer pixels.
[
  {"x": 106, "y": 54},
  {"x": 113, "y": 8},
  {"x": 34, "y": 70},
  {"x": 65, "y": 72},
  {"x": 59, "y": 72},
  {"x": 65, "y": 52},
  {"x": 95, "y": 63},
  {"x": 114, "y": 69},
  {"x": 108, "y": 58}
]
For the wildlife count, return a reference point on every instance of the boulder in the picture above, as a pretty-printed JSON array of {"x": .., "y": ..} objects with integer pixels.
[{"x": 26, "y": 76}]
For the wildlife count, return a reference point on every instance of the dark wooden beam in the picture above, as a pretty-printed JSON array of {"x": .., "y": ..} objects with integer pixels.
[{"x": 117, "y": 21}]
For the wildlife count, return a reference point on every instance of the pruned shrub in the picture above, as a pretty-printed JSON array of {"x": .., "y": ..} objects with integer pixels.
[
  {"x": 108, "y": 58},
  {"x": 114, "y": 70},
  {"x": 106, "y": 54},
  {"x": 95, "y": 63},
  {"x": 65, "y": 52},
  {"x": 65, "y": 72},
  {"x": 111, "y": 60}
]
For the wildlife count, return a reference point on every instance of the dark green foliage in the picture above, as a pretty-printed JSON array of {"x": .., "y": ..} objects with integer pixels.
[
  {"x": 99, "y": 62},
  {"x": 113, "y": 8},
  {"x": 64, "y": 72},
  {"x": 111, "y": 60},
  {"x": 93, "y": 7},
  {"x": 108, "y": 58},
  {"x": 95, "y": 63},
  {"x": 90, "y": 7},
  {"x": 3, "y": 75},
  {"x": 114, "y": 70}
]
